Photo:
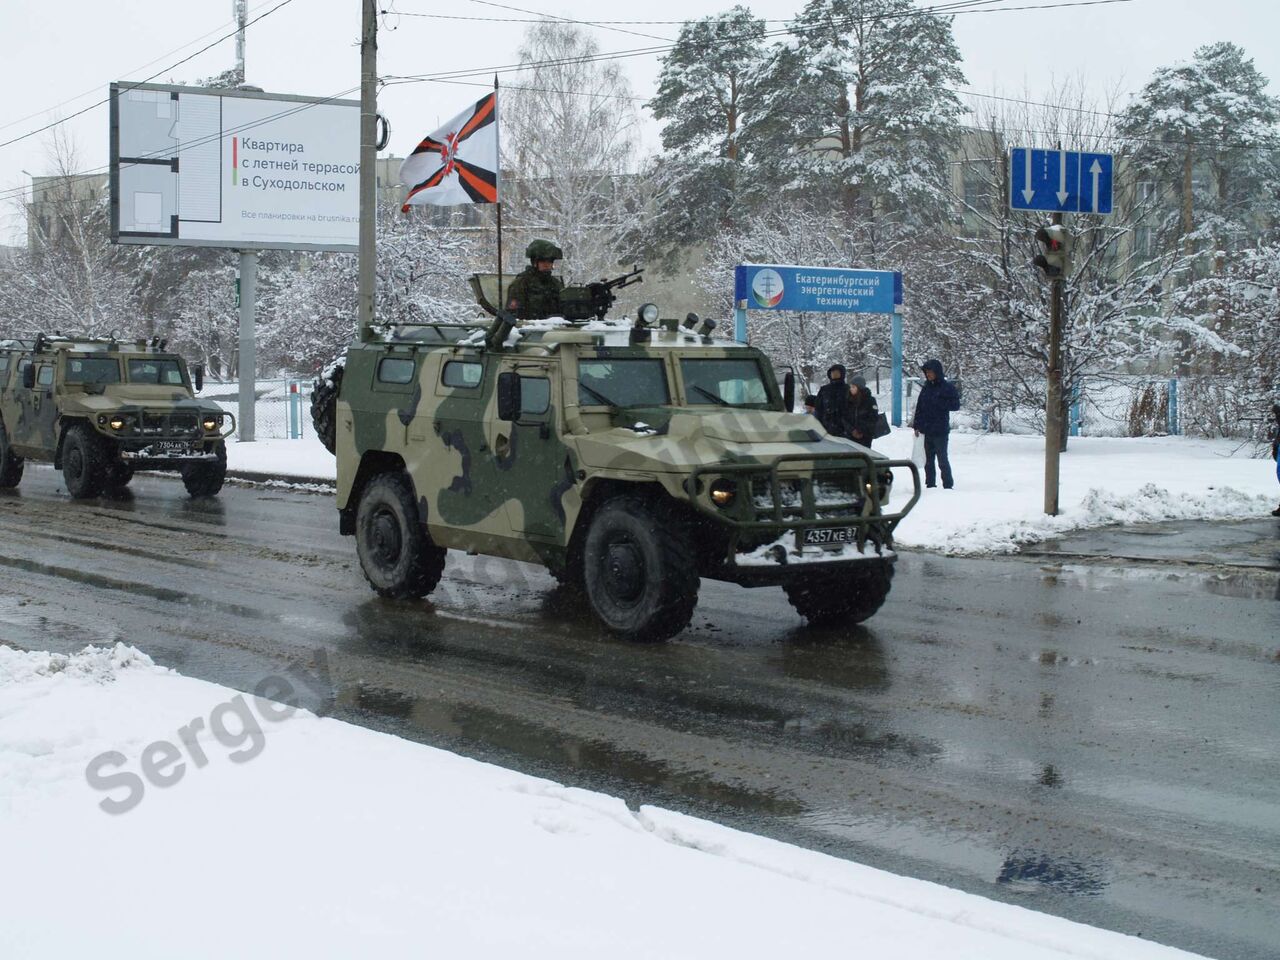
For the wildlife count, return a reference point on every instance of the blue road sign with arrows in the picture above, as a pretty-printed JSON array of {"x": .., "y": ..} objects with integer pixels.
[{"x": 1060, "y": 181}]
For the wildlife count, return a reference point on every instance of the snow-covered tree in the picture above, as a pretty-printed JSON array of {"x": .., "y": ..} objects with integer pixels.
[
  {"x": 1205, "y": 133},
  {"x": 421, "y": 277},
  {"x": 568, "y": 141},
  {"x": 858, "y": 104},
  {"x": 700, "y": 102}
]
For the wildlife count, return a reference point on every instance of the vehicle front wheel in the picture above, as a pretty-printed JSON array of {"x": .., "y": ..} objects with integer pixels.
[
  {"x": 10, "y": 463},
  {"x": 397, "y": 555},
  {"x": 638, "y": 570},
  {"x": 118, "y": 475},
  {"x": 848, "y": 597},
  {"x": 84, "y": 462},
  {"x": 204, "y": 478}
]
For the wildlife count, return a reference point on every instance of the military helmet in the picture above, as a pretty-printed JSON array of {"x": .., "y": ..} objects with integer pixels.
[{"x": 543, "y": 250}]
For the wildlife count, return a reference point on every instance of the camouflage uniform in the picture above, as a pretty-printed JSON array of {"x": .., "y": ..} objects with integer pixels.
[{"x": 534, "y": 295}]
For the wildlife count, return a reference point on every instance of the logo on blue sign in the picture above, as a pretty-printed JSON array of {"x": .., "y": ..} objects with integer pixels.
[{"x": 767, "y": 288}]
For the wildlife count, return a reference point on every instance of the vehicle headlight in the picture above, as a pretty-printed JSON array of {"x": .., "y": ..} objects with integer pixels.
[
  {"x": 117, "y": 422},
  {"x": 212, "y": 422},
  {"x": 648, "y": 313},
  {"x": 722, "y": 492}
]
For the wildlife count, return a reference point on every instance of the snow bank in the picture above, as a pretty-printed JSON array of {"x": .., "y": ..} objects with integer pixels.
[
  {"x": 335, "y": 841},
  {"x": 998, "y": 503}
]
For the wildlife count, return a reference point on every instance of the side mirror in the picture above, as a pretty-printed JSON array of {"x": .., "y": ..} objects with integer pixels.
[
  {"x": 789, "y": 391},
  {"x": 197, "y": 376},
  {"x": 509, "y": 396},
  {"x": 29, "y": 376}
]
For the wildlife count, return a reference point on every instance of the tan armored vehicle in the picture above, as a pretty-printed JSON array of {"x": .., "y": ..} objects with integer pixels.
[
  {"x": 630, "y": 458},
  {"x": 100, "y": 409}
]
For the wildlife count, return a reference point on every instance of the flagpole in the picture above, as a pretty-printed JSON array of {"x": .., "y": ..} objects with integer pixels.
[{"x": 497, "y": 135}]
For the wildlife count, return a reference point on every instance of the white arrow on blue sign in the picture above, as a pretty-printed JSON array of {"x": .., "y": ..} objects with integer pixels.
[{"x": 1060, "y": 181}]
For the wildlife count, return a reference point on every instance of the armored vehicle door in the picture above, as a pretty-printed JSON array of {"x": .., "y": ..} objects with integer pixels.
[
  {"x": 44, "y": 408},
  {"x": 533, "y": 466}
]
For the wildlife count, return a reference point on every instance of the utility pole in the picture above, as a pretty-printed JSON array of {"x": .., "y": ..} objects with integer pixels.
[
  {"x": 240, "y": 9},
  {"x": 366, "y": 277},
  {"x": 246, "y": 288},
  {"x": 1053, "y": 401}
]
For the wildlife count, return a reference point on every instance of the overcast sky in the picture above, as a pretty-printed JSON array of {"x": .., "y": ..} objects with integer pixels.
[{"x": 60, "y": 58}]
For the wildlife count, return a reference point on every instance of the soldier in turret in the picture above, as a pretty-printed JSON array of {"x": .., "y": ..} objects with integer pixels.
[{"x": 535, "y": 294}]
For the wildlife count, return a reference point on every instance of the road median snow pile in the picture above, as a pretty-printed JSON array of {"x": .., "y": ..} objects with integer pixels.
[{"x": 147, "y": 814}]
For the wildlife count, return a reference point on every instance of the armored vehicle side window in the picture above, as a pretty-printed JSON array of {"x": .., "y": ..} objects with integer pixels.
[
  {"x": 724, "y": 382},
  {"x": 4, "y": 370},
  {"x": 44, "y": 376},
  {"x": 462, "y": 373},
  {"x": 622, "y": 383},
  {"x": 155, "y": 371},
  {"x": 93, "y": 370},
  {"x": 535, "y": 395},
  {"x": 395, "y": 370}
]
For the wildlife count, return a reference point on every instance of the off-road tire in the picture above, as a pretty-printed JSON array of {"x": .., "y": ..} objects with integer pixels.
[
  {"x": 204, "y": 478},
  {"x": 10, "y": 463},
  {"x": 85, "y": 462},
  {"x": 324, "y": 408},
  {"x": 848, "y": 597},
  {"x": 397, "y": 555},
  {"x": 118, "y": 475},
  {"x": 638, "y": 569}
]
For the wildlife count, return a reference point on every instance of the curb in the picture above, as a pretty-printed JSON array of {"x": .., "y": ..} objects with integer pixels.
[{"x": 282, "y": 479}]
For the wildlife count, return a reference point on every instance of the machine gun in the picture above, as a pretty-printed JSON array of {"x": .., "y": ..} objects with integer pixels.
[{"x": 595, "y": 299}]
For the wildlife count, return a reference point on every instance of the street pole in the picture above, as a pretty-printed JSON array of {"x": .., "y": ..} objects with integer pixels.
[
  {"x": 248, "y": 346},
  {"x": 1053, "y": 399},
  {"x": 366, "y": 277},
  {"x": 895, "y": 373}
]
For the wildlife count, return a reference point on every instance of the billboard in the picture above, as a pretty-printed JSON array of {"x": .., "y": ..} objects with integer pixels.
[{"x": 233, "y": 168}]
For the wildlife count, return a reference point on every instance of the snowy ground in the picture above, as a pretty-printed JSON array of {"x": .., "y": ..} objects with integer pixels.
[
  {"x": 307, "y": 837},
  {"x": 998, "y": 502}
]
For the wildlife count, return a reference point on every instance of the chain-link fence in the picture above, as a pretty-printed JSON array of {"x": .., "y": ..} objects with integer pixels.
[{"x": 282, "y": 410}]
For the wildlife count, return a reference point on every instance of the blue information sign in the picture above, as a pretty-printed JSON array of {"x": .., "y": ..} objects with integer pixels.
[
  {"x": 821, "y": 289},
  {"x": 1060, "y": 181}
]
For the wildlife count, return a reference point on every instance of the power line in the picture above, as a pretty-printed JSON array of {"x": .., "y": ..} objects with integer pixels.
[
  {"x": 95, "y": 89},
  {"x": 99, "y": 103},
  {"x": 954, "y": 9}
]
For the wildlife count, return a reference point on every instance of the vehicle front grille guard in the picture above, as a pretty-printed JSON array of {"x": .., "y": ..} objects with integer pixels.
[
  {"x": 861, "y": 512},
  {"x": 164, "y": 426}
]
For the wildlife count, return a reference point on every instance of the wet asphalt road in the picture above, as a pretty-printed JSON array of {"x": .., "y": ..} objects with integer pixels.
[{"x": 1092, "y": 739}]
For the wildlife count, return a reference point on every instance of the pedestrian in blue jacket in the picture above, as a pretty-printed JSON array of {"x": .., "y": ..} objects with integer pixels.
[{"x": 938, "y": 397}]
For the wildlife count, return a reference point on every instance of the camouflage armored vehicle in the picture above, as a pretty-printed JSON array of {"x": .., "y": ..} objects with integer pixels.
[
  {"x": 631, "y": 459},
  {"x": 100, "y": 409}
]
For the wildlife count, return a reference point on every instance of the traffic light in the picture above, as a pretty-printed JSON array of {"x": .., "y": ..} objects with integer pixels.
[{"x": 1055, "y": 258}]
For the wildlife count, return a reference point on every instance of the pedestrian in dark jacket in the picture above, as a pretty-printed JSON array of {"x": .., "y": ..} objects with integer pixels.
[
  {"x": 938, "y": 397},
  {"x": 863, "y": 412},
  {"x": 833, "y": 402},
  {"x": 1275, "y": 446}
]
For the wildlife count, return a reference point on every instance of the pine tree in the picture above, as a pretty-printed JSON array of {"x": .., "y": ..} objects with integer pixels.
[
  {"x": 858, "y": 104},
  {"x": 700, "y": 101},
  {"x": 1205, "y": 132}
]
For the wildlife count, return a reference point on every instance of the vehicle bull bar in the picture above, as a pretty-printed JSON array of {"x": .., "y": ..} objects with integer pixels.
[{"x": 780, "y": 523}]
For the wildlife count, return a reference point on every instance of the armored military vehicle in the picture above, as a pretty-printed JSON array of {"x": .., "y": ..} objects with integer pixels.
[
  {"x": 630, "y": 458},
  {"x": 99, "y": 409}
]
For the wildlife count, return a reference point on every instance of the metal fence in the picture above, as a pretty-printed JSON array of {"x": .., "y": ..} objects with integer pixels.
[{"x": 282, "y": 409}]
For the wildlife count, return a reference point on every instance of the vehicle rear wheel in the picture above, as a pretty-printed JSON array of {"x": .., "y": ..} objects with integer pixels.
[
  {"x": 324, "y": 407},
  {"x": 638, "y": 569},
  {"x": 397, "y": 555},
  {"x": 10, "y": 463},
  {"x": 848, "y": 597},
  {"x": 84, "y": 462},
  {"x": 204, "y": 478}
]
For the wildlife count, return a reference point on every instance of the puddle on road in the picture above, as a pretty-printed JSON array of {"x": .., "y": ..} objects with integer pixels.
[{"x": 567, "y": 756}]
